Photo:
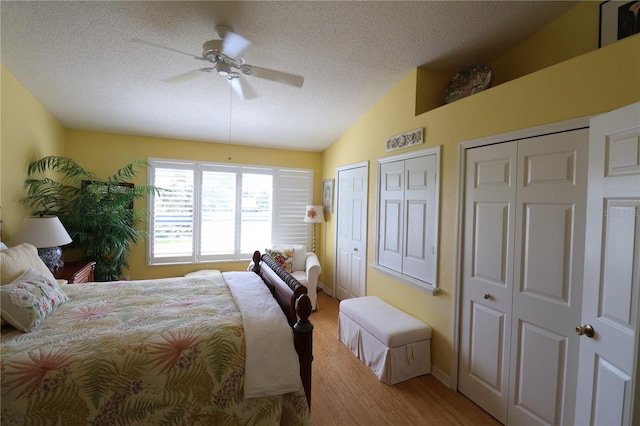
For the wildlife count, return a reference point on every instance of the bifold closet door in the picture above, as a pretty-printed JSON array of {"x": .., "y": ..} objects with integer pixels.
[
  {"x": 522, "y": 277},
  {"x": 490, "y": 195},
  {"x": 548, "y": 269}
]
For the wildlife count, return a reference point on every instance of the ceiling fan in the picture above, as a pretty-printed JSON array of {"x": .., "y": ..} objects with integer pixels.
[{"x": 225, "y": 56}]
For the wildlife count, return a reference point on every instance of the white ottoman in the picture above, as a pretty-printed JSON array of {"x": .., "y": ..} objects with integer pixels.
[{"x": 392, "y": 343}]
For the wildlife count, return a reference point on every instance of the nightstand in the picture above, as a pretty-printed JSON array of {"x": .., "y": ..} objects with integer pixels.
[{"x": 76, "y": 272}]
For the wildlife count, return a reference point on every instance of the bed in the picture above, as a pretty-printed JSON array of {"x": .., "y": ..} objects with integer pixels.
[{"x": 210, "y": 349}]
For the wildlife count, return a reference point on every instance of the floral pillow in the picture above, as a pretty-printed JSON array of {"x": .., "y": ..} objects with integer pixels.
[
  {"x": 28, "y": 300},
  {"x": 283, "y": 257}
]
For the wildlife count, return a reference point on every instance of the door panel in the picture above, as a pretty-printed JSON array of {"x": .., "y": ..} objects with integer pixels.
[
  {"x": 490, "y": 237},
  {"x": 487, "y": 339},
  {"x": 611, "y": 386},
  {"x": 547, "y": 255},
  {"x": 608, "y": 361},
  {"x": 540, "y": 374}
]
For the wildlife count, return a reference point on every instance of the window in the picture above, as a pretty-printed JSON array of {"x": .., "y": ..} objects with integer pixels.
[
  {"x": 218, "y": 212},
  {"x": 408, "y": 206}
]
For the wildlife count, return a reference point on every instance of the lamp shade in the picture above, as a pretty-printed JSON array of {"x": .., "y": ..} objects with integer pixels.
[
  {"x": 42, "y": 232},
  {"x": 314, "y": 214}
]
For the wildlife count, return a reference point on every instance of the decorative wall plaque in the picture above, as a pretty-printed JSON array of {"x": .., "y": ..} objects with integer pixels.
[{"x": 404, "y": 140}]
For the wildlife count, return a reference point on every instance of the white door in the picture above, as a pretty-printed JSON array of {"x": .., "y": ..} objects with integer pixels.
[
  {"x": 351, "y": 229},
  {"x": 608, "y": 365},
  {"x": 490, "y": 190},
  {"x": 522, "y": 275},
  {"x": 548, "y": 266}
]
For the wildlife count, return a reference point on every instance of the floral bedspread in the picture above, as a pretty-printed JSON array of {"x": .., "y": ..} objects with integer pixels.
[{"x": 167, "y": 351}]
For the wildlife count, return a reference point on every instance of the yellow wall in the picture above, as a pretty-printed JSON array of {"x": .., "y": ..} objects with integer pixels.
[
  {"x": 28, "y": 132},
  {"x": 591, "y": 83},
  {"x": 572, "y": 34},
  {"x": 104, "y": 153}
]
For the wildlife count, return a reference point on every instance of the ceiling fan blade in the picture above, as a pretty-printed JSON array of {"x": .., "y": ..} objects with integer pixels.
[
  {"x": 187, "y": 75},
  {"x": 242, "y": 88},
  {"x": 277, "y": 76},
  {"x": 234, "y": 45},
  {"x": 157, "y": 46}
]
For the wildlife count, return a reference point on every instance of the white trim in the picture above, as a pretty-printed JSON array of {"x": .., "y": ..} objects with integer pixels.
[
  {"x": 563, "y": 126},
  {"x": 440, "y": 375},
  {"x": 420, "y": 285}
]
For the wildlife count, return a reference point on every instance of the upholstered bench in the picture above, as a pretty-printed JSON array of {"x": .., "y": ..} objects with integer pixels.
[{"x": 392, "y": 343}]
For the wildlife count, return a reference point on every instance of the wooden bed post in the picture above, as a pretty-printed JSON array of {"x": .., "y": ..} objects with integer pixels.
[{"x": 303, "y": 341}]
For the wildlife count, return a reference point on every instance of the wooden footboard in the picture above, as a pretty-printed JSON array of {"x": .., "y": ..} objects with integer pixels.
[{"x": 292, "y": 298}]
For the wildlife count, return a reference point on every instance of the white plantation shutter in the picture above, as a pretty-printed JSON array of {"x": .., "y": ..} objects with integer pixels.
[
  {"x": 213, "y": 212},
  {"x": 257, "y": 211},
  {"x": 293, "y": 190},
  {"x": 172, "y": 218},
  {"x": 218, "y": 212}
]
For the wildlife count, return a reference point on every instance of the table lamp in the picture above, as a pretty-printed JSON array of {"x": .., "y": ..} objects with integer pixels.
[{"x": 47, "y": 234}]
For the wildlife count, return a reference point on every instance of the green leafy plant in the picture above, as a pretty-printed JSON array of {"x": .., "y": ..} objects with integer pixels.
[{"x": 96, "y": 212}]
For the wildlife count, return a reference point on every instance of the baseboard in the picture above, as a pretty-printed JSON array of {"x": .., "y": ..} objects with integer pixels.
[
  {"x": 440, "y": 375},
  {"x": 321, "y": 286}
]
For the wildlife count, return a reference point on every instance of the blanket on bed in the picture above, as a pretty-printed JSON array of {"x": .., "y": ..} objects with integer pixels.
[{"x": 167, "y": 351}]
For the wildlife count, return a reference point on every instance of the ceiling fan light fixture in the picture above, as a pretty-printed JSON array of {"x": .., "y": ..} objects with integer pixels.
[
  {"x": 211, "y": 49},
  {"x": 224, "y": 69}
]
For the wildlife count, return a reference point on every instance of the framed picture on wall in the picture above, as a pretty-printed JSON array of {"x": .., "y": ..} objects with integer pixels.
[
  {"x": 618, "y": 19},
  {"x": 327, "y": 195},
  {"x": 104, "y": 188}
]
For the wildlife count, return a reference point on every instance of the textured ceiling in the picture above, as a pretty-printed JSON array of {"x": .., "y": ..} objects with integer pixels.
[{"x": 78, "y": 59}]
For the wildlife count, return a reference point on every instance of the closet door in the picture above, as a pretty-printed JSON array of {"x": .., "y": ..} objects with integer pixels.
[
  {"x": 525, "y": 204},
  {"x": 548, "y": 270},
  {"x": 490, "y": 194}
]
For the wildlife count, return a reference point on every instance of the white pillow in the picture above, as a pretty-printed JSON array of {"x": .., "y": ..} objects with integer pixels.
[
  {"x": 15, "y": 260},
  {"x": 27, "y": 301}
]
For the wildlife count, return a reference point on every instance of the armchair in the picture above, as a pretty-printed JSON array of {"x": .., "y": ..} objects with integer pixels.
[{"x": 305, "y": 268}]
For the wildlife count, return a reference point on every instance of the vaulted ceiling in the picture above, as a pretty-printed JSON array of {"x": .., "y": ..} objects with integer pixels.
[{"x": 102, "y": 65}]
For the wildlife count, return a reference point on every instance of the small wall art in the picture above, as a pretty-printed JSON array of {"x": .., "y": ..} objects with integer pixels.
[
  {"x": 404, "y": 140},
  {"x": 618, "y": 19},
  {"x": 327, "y": 195}
]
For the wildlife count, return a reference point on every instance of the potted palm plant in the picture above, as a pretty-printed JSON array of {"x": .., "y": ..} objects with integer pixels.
[{"x": 97, "y": 213}]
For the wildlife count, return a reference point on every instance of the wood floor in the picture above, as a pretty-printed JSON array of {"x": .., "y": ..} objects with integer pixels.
[{"x": 345, "y": 392}]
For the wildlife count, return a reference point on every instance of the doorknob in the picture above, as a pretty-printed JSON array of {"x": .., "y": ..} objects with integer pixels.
[
  {"x": 486, "y": 296},
  {"x": 586, "y": 329},
  {"x": 355, "y": 249}
]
